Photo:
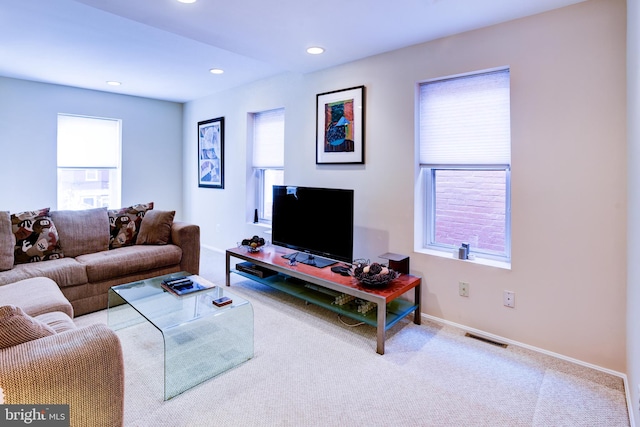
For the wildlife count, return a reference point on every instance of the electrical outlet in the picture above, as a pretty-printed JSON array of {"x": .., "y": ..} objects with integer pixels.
[
  {"x": 509, "y": 299},
  {"x": 463, "y": 289}
]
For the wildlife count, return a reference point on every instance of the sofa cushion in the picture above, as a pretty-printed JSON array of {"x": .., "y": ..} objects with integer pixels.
[
  {"x": 82, "y": 232},
  {"x": 17, "y": 327},
  {"x": 36, "y": 237},
  {"x": 124, "y": 224},
  {"x": 35, "y": 296},
  {"x": 7, "y": 242},
  {"x": 63, "y": 271},
  {"x": 155, "y": 228},
  {"x": 119, "y": 262},
  {"x": 57, "y": 321}
]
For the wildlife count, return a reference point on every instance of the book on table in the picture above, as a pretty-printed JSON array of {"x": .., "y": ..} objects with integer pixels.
[{"x": 185, "y": 285}]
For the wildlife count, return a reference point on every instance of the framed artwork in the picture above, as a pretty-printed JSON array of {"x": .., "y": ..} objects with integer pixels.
[
  {"x": 211, "y": 153},
  {"x": 340, "y": 126}
]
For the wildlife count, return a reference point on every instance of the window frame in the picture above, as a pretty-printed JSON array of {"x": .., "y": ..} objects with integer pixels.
[
  {"x": 425, "y": 208},
  {"x": 114, "y": 170},
  {"x": 260, "y": 191},
  {"x": 257, "y": 182}
]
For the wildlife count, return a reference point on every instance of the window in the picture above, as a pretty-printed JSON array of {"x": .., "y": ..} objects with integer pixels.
[
  {"x": 268, "y": 158},
  {"x": 89, "y": 201},
  {"x": 465, "y": 164},
  {"x": 88, "y": 162},
  {"x": 91, "y": 175}
]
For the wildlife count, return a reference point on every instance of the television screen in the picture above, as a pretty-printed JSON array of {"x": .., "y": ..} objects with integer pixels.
[{"x": 316, "y": 221}]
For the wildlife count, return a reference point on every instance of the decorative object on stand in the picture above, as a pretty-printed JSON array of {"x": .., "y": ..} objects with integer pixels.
[
  {"x": 373, "y": 275},
  {"x": 463, "y": 251},
  {"x": 211, "y": 153},
  {"x": 253, "y": 244},
  {"x": 340, "y": 126},
  {"x": 397, "y": 262}
]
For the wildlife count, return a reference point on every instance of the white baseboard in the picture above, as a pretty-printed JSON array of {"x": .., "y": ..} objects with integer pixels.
[
  {"x": 632, "y": 422},
  {"x": 523, "y": 345},
  {"x": 504, "y": 340}
]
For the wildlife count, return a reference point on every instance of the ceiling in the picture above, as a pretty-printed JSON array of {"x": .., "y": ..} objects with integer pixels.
[{"x": 164, "y": 49}]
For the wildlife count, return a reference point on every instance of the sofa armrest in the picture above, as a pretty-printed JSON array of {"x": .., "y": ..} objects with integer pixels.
[
  {"x": 187, "y": 237},
  {"x": 82, "y": 367}
]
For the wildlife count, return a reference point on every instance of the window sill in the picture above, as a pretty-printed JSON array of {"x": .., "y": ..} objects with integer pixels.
[
  {"x": 261, "y": 224},
  {"x": 480, "y": 261}
]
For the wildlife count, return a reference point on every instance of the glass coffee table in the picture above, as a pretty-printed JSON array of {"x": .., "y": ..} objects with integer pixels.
[{"x": 201, "y": 340}]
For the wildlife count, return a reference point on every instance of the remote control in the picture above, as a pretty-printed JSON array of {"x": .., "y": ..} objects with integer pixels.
[{"x": 177, "y": 282}]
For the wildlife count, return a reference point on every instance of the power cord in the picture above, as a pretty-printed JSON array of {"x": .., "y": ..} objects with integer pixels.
[{"x": 349, "y": 324}]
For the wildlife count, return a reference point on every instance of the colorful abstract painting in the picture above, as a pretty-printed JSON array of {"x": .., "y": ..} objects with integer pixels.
[{"x": 340, "y": 126}]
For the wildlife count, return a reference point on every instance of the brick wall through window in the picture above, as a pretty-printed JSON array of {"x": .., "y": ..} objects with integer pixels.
[{"x": 470, "y": 207}]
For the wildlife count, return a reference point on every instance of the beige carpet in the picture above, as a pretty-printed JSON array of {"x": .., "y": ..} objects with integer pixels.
[{"x": 309, "y": 369}]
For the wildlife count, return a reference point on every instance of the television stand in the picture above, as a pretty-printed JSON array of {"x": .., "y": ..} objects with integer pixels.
[
  {"x": 385, "y": 307},
  {"x": 309, "y": 259}
]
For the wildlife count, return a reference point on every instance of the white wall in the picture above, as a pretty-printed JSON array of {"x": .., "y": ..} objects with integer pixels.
[
  {"x": 633, "y": 254},
  {"x": 568, "y": 177},
  {"x": 151, "y": 143}
]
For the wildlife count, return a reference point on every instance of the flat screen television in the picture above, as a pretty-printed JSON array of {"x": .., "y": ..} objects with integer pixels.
[{"x": 316, "y": 222}]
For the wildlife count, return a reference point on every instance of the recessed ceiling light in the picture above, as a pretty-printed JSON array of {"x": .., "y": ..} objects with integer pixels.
[
  {"x": 112, "y": 83},
  {"x": 315, "y": 50},
  {"x": 216, "y": 71},
  {"x": 187, "y": 1}
]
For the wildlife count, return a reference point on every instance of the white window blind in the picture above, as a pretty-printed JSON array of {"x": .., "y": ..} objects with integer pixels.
[
  {"x": 268, "y": 134},
  {"x": 466, "y": 120},
  {"x": 88, "y": 142}
]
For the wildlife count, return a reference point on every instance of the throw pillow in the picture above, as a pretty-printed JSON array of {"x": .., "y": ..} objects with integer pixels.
[
  {"x": 155, "y": 228},
  {"x": 7, "y": 242},
  {"x": 17, "y": 327},
  {"x": 124, "y": 224},
  {"x": 36, "y": 237},
  {"x": 82, "y": 232}
]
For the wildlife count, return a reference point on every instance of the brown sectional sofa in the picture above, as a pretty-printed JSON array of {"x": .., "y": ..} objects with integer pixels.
[
  {"x": 89, "y": 266},
  {"x": 82, "y": 367}
]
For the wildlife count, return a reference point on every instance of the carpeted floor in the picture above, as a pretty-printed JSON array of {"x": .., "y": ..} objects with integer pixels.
[{"x": 310, "y": 369}]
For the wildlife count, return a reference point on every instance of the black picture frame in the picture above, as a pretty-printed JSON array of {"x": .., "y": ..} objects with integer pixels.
[
  {"x": 211, "y": 153},
  {"x": 340, "y": 116}
]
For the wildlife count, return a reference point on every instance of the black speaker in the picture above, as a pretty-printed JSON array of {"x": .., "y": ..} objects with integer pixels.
[{"x": 397, "y": 262}]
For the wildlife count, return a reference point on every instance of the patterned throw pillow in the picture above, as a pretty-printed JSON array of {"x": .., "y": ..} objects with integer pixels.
[
  {"x": 125, "y": 223},
  {"x": 17, "y": 327},
  {"x": 36, "y": 237}
]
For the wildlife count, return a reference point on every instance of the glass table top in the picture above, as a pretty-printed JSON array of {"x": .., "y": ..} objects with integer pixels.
[
  {"x": 166, "y": 310},
  {"x": 201, "y": 340}
]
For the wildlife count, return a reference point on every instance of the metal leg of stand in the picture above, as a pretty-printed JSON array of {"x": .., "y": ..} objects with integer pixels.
[
  {"x": 227, "y": 278},
  {"x": 382, "y": 323},
  {"x": 417, "y": 314}
]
